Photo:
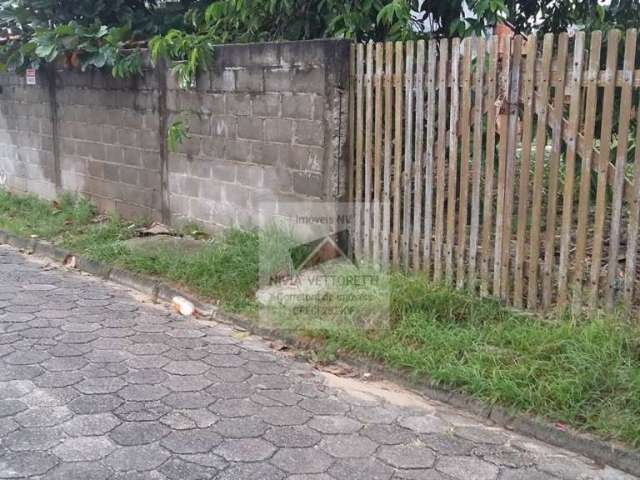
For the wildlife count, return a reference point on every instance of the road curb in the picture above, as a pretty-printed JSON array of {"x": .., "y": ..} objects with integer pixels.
[
  {"x": 136, "y": 281},
  {"x": 600, "y": 451}
]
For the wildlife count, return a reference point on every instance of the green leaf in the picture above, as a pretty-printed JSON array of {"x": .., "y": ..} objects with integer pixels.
[
  {"x": 99, "y": 60},
  {"x": 45, "y": 50},
  {"x": 215, "y": 11},
  {"x": 177, "y": 133},
  {"x": 386, "y": 13}
]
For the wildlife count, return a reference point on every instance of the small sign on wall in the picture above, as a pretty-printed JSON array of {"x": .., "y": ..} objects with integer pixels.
[{"x": 31, "y": 76}]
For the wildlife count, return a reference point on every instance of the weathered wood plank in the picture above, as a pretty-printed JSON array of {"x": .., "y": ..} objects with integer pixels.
[
  {"x": 554, "y": 171},
  {"x": 359, "y": 167},
  {"x": 512, "y": 144},
  {"x": 397, "y": 154},
  {"x": 503, "y": 145},
  {"x": 601, "y": 79},
  {"x": 388, "y": 149},
  {"x": 352, "y": 122},
  {"x": 428, "y": 157},
  {"x": 419, "y": 145},
  {"x": 525, "y": 167},
  {"x": 368, "y": 150},
  {"x": 634, "y": 221},
  {"x": 465, "y": 133},
  {"x": 479, "y": 47},
  {"x": 621, "y": 159},
  {"x": 407, "y": 184},
  {"x": 591, "y": 102},
  {"x": 570, "y": 161},
  {"x": 542, "y": 107},
  {"x": 377, "y": 152},
  {"x": 454, "y": 112},
  {"x": 487, "y": 207},
  {"x": 613, "y": 40},
  {"x": 440, "y": 155}
]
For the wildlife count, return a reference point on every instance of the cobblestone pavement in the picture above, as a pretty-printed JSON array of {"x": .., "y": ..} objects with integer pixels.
[{"x": 96, "y": 385}]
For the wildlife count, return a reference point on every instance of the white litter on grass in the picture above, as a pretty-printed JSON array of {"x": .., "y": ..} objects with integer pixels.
[{"x": 184, "y": 306}]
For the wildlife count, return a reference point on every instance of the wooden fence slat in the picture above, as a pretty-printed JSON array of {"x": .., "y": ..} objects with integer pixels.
[
  {"x": 602, "y": 75},
  {"x": 408, "y": 152},
  {"x": 440, "y": 155},
  {"x": 591, "y": 102},
  {"x": 388, "y": 145},
  {"x": 441, "y": 188},
  {"x": 377, "y": 155},
  {"x": 428, "y": 156},
  {"x": 487, "y": 209},
  {"x": 613, "y": 39},
  {"x": 352, "y": 122},
  {"x": 512, "y": 144},
  {"x": 630, "y": 271},
  {"x": 570, "y": 160},
  {"x": 419, "y": 140},
  {"x": 525, "y": 166},
  {"x": 464, "y": 131},
  {"x": 503, "y": 145},
  {"x": 351, "y": 168},
  {"x": 454, "y": 111},
  {"x": 601, "y": 78},
  {"x": 581, "y": 146},
  {"x": 479, "y": 47},
  {"x": 359, "y": 195},
  {"x": 542, "y": 107},
  {"x": 554, "y": 171},
  {"x": 368, "y": 152},
  {"x": 397, "y": 155},
  {"x": 621, "y": 159}
]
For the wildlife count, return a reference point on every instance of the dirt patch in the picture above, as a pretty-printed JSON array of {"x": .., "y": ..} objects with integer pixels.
[{"x": 374, "y": 390}]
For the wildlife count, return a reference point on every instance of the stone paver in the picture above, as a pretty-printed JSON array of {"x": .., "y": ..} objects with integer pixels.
[{"x": 97, "y": 385}]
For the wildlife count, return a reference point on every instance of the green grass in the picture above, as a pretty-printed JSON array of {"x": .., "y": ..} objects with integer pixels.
[
  {"x": 30, "y": 216},
  {"x": 582, "y": 371},
  {"x": 226, "y": 269}
]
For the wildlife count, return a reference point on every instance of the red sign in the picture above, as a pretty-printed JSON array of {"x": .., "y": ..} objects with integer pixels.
[{"x": 31, "y": 76}]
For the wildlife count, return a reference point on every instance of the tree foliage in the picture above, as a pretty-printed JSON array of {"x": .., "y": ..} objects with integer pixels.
[
  {"x": 30, "y": 14},
  {"x": 81, "y": 32},
  {"x": 544, "y": 16},
  {"x": 95, "y": 33},
  {"x": 110, "y": 33},
  {"x": 255, "y": 20},
  {"x": 78, "y": 46}
]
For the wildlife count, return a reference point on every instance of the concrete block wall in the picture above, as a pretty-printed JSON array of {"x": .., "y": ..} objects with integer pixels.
[
  {"x": 27, "y": 160},
  {"x": 265, "y": 130},
  {"x": 108, "y": 131},
  {"x": 267, "y": 127}
]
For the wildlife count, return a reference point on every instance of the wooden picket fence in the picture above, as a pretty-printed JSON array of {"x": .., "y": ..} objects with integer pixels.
[{"x": 503, "y": 165}]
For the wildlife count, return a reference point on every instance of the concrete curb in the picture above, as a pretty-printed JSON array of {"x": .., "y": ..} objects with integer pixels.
[{"x": 608, "y": 453}]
